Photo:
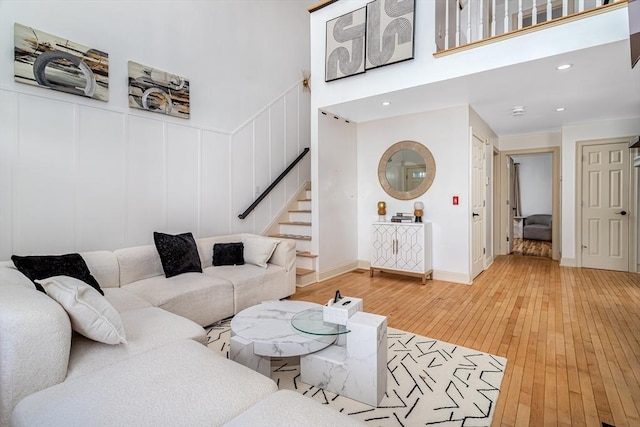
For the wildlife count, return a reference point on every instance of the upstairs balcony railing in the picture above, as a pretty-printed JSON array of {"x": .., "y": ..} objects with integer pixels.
[{"x": 464, "y": 22}]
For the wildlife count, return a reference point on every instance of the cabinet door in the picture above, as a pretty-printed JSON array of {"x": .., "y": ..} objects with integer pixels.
[
  {"x": 410, "y": 247},
  {"x": 383, "y": 243}
]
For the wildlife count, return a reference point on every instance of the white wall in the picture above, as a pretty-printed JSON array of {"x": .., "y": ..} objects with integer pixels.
[
  {"x": 425, "y": 68},
  {"x": 78, "y": 174},
  {"x": 532, "y": 140},
  {"x": 535, "y": 183},
  {"x": 238, "y": 55},
  {"x": 337, "y": 239},
  {"x": 446, "y": 134}
]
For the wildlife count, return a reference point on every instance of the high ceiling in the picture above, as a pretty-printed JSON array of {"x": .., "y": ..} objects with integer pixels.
[{"x": 600, "y": 85}]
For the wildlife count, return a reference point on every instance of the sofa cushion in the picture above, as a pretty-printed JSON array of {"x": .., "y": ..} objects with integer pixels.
[
  {"x": 180, "y": 384},
  {"x": 287, "y": 408},
  {"x": 90, "y": 313},
  {"x": 258, "y": 250},
  {"x": 11, "y": 276},
  {"x": 35, "y": 340},
  {"x": 147, "y": 328},
  {"x": 252, "y": 284},
  {"x": 42, "y": 266},
  {"x": 195, "y": 296},
  {"x": 137, "y": 263},
  {"x": 123, "y": 300},
  {"x": 103, "y": 265},
  {"x": 228, "y": 254},
  {"x": 178, "y": 254}
]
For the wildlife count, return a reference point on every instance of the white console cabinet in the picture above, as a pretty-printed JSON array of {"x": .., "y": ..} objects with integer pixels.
[{"x": 403, "y": 248}]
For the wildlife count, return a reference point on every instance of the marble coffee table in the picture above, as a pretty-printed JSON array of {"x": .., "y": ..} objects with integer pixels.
[{"x": 264, "y": 331}]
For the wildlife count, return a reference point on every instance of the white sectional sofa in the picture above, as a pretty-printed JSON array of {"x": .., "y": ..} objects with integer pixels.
[{"x": 163, "y": 374}]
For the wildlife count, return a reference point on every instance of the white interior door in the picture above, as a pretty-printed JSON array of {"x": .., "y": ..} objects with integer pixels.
[
  {"x": 605, "y": 206},
  {"x": 477, "y": 207}
]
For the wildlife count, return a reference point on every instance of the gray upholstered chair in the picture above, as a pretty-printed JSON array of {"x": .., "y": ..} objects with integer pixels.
[{"x": 537, "y": 227}]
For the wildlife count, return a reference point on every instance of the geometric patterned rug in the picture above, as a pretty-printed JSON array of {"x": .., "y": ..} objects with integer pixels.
[{"x": 429, "y": 382}]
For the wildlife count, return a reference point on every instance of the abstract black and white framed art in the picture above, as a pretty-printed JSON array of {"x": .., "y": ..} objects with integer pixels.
[
  {"x": 390, "y": 32},
  {"x": 345, "y": 45}
]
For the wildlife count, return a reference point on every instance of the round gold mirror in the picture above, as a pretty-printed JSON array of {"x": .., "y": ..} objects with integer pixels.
[{"x": 406, "y": 170}]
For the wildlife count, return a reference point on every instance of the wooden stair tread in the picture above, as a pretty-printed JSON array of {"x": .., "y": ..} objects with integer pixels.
[
  {"x": 303, "y": 271},
  {"x": 291, "y": 236},
  {"x": 300, "y": 211},
  {"x": 306, "y": 254},
  {"x": 294, "y": 223}
]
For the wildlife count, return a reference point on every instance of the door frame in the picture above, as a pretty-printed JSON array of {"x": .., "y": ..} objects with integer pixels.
[
  {"x": 496, "y": 203},
  {"x": 633, "y": 198},
  {"x": 556, "y": 232}
]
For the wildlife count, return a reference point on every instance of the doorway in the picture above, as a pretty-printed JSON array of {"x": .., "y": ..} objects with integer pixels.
[
  {"x": 510, "y": 215},
  {"x": 531, "y": 203}
]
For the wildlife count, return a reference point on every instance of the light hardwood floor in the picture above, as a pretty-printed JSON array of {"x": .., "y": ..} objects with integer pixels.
[
  {"x": 571, "y": 336},
  {"x": 531, "y": 247}
]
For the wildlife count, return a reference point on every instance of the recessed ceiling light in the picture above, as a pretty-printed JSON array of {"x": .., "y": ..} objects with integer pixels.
[
  {"x": 385, "y": 103},
  {"x": 564, "y": 67},
  {"x": 560, "y": 109}
]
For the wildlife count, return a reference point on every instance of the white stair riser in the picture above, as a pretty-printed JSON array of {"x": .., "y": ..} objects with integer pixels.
[
  {"x": 303, "y": 245},
  {"x": 305, "y": 280},
  {"x": 308, "y": 195},
  {"x": 304, "y": 205},
  {"x": 306, "y": 262},
  {"x": 300, "y": 216},
  {"x": 298, "y": 230}
]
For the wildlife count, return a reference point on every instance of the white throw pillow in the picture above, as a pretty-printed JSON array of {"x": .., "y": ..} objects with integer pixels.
[
  {"x": 90, "y": 313},
  {"x": 258, "y": 250}
]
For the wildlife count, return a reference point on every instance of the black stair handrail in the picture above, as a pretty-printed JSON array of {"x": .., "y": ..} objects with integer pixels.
[{"x": 264, "y": 194}]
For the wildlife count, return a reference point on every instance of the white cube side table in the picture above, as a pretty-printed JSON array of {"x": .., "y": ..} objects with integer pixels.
[{"x": 356, "y": 369}]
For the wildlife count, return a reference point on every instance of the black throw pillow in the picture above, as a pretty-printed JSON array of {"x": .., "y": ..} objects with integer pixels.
[
  {"x": 228, "y": 254},
  {"x": 37, "y": 267},
  {"x": 178, "y": 254}
]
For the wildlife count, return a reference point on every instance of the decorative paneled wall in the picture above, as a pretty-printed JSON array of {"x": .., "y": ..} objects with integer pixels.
[{"x": 75, "y": 177}]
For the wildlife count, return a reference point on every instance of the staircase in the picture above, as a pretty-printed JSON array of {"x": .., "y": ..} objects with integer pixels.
[{"x": 298, "y": 228}]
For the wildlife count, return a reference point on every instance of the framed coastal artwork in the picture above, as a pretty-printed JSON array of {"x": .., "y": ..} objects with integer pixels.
[
  {"x": 390, "y": 32},
  {"x": 53, "y": 62},
  {"x": 158, "y": 91},
  {"x": 345, "y": 45}
]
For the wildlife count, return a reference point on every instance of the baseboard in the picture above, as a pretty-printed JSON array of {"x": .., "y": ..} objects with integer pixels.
[
  {"x": 488, "y": 262},
  {"x": 445, "y": 276},
  {"x": 364, "y": 265},
  {"x": 448, "y": 276},
  {"x": 568, "y": 262},
  {"x": 330, "y": 274}
]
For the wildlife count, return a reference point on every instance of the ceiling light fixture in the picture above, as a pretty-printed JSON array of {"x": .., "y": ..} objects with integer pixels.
[
  {"x": 517, "y": 111},
  {"x": 560, "y": 109},
  {"x": 385, "y": 103},
  {"x": 564, "y": 67}
]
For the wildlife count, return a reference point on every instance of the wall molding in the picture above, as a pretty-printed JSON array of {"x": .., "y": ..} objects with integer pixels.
[{"x": 144, "y": 163}]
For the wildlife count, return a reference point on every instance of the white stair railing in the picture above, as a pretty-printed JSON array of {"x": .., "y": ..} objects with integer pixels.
[{"x": 468, "y": 21}]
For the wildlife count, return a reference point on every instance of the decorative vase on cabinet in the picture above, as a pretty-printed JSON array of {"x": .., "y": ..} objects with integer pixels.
[{"x": 403, "y": 248}]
